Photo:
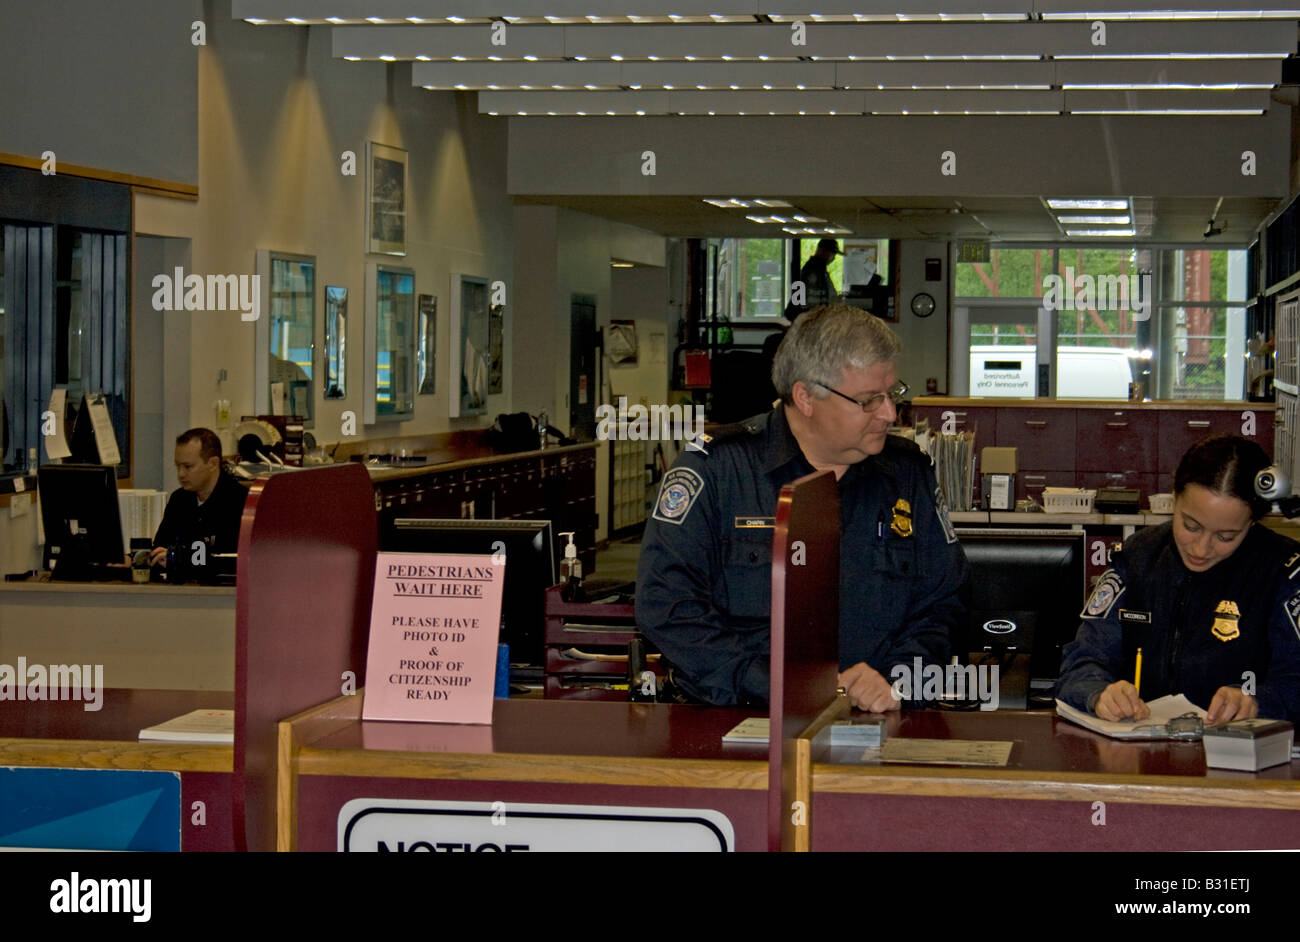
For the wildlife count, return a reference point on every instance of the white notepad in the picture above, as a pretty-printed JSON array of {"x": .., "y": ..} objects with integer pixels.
[
  {"x": 1162, "y": 711},
  {"x": 213, "y": 726}
]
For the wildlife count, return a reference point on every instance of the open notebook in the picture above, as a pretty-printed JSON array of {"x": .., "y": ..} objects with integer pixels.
[{"x": 1162, "y": 711}]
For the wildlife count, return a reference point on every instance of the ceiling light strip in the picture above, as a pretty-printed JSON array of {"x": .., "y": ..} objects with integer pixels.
[{"x": 890, "y": 41}]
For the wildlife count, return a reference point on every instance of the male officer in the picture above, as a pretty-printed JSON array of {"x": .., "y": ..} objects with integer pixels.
[
  {"x": 209, "y": 504},
  {"x": 704, "y": 574}
]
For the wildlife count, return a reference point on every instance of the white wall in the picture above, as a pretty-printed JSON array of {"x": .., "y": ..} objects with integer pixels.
[
  {"x": 276, "y": 112},
  {"x": 77, "y": 76}
]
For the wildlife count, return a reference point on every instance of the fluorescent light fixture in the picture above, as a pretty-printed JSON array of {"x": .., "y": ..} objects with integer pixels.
[
  {"x": 1088, "y": 204},
  {"x": 621, "y": 265},
  {"x": 774, "y": 204},
  {"x": 1124, "y": 220},
  {"x": 1204, "y": 112},
  {"x": 1110, "y": 233},
  {"x": 1179, "y": 15}
]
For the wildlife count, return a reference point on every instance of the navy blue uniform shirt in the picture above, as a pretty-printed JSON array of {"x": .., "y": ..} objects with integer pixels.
[
  {"x": 1198, "y": 631},
  {"x": 704, "y": 576}
]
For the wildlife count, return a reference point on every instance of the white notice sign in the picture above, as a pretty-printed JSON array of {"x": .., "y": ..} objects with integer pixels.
[
  {"x": 105, "y": 438},
  {"x": 404, "y": 825}
]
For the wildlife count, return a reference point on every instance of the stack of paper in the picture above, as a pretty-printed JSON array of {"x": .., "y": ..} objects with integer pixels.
[
  {"x": 214, "y": 726},
  {"x": 1162, "y": 711},
  {"x": 954, "y": 466},
  {"x": 141, "y": 511}
]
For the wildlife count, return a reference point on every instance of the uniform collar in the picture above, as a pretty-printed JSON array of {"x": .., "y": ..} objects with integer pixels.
[{"x": 781, "y": 448}]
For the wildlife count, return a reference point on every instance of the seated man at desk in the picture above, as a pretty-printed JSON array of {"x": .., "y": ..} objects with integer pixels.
[
  {"x": 704, "y": 573},
  {"x": 208, "y": 505},
  {"x": 1211, "y": 599}
]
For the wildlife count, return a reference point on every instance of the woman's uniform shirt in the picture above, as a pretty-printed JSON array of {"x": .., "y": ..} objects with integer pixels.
[{"x": 1229, "y": 626}]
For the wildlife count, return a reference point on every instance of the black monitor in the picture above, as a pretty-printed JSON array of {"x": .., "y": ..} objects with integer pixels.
[
  {"x": 83, "y": 528},
  {"x": 1024, "y": 595},
  {"x": 530, "y": 567}
]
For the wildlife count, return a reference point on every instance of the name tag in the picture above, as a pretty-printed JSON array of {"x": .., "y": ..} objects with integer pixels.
[
  {"x": 755, "y": 523},
  {"x": 1141, "y": 618}
]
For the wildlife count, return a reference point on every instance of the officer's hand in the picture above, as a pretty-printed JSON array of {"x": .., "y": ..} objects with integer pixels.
[
  {"x": 1120, "y": 701},
  {"x": 158, "y": 556},
  {"x": 868, "y": 690},
  {"x": 1230, "y": 704}
]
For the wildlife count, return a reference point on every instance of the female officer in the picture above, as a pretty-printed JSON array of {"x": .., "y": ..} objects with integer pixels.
[{"x": 1211, "y": 598}]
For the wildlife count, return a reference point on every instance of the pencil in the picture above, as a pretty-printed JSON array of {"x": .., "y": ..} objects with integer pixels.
[{"x": 1137, "y": 675}]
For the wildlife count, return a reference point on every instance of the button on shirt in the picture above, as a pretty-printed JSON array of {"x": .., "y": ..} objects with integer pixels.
[{"x": 704, "y": 574}]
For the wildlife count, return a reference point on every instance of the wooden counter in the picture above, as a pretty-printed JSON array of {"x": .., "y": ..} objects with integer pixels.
[
  {"x": 62, "y": 734},
  {"x": 549, "y": 751},
  {"x": 1154, "y": 795},
  {"x": 179, "y": 637}
]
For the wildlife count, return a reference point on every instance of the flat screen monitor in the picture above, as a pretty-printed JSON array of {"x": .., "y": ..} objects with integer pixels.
[
  {"x": 83, "y": 528},
  {"x": 529, "y": 548},
  {"x": 1025, "y": 592}
]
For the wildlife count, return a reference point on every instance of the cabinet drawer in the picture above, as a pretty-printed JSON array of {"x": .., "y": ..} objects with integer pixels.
[
  {"x": 1180, "y": 430},
  {"x": 1121, "y": 440},
  {"x": 1043, "y": 438},
  {"x": 1030, "y": 484}
]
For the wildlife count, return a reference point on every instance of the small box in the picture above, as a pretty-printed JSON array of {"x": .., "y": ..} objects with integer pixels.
[
  {"x": 994, "y": 460},
  {"x": 1248, "y": 745},
  {"x": 1118, "y": 500},
  {"x": 999, "y": 491}
]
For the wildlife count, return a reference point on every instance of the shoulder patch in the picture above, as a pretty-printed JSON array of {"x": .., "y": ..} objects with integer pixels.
[
  {"x": 1104, "y": 597},
  {"x": 1293, "y": 613},
  {"x": 941, "y": 511},
  {"x": 677, "y": 495}
]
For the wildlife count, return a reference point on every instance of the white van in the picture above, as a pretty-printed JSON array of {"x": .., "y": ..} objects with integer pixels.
[{"x": 1082, "y": 372}]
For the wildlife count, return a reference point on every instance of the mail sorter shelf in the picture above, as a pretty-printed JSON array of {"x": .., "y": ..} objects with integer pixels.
[{"x": 586, "y": 649}]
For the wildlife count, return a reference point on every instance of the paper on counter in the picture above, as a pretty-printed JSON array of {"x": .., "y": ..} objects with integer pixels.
[{"x": 980, "y": 752}]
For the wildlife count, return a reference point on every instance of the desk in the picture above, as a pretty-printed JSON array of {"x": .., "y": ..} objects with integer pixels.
[
  {"x": 1157, "y": 795},
  {"x": 62, "y": 734},
  {"x": 536, "y": 751},
  {"x": 160, "y": 637}
]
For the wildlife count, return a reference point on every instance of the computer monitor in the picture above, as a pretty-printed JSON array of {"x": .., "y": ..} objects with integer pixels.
[
  {"x": 1024, "y": 594},
  {"x": 83, "y": 528},
  {"x": 529, "y": 548}
]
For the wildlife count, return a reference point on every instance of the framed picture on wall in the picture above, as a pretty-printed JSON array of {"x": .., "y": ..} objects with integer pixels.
[
  {"x": 426, "y": 345},
  {"x": 469, "y": 352},
  {"x": 496, "y": 347},
  {"x": 385, "y": 199}
]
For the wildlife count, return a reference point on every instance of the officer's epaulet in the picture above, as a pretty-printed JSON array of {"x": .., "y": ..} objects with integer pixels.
[
  {"x": 735, "y": 431},
  {"x": 1292, "y": 566}
]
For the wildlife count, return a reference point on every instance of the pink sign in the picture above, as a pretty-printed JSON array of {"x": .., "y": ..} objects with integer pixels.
[{"x": 433, "y": 638}]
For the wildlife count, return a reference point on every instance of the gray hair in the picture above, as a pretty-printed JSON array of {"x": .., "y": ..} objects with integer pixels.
[{"x": 826, "y": 341}]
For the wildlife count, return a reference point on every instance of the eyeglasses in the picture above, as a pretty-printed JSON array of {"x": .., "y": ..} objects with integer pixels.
[{"x": 896, "y": 394}]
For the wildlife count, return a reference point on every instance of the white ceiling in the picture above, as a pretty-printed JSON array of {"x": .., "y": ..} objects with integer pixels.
[{"x": 964, "y": 58}]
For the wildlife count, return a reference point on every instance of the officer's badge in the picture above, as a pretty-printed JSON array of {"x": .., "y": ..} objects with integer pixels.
[
  {"x": 680, "y": 488},
  {"x": 1225, "y": 623},
  {"x": 1103, "y": 598},
  {"x": 902, "y": 522}
]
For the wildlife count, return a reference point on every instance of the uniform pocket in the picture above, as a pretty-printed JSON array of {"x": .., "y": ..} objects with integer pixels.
[
  {"x": 747, "y": 571},
  {"x": 897, "y": 558}
]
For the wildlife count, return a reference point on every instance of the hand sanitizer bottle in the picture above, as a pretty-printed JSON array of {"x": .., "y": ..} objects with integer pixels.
[{"x": 571, "y": 573}]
